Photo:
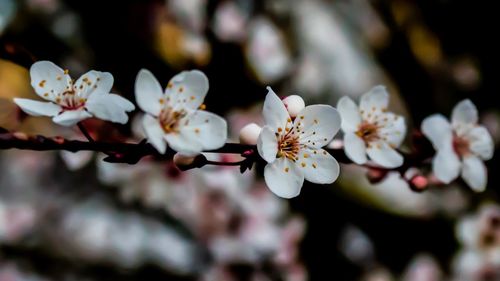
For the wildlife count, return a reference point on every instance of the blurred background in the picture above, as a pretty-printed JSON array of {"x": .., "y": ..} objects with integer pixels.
[{"x": 71, "y": 216}]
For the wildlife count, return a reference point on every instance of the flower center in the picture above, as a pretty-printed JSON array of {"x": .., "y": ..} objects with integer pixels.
[
  {"x": 461, "y": 146},
  {"x": 288, "y": 143},
  {"x": 69, "y": 100},
  {"x": 368, "y": 132},
  {"x": 170, "y": 119}
]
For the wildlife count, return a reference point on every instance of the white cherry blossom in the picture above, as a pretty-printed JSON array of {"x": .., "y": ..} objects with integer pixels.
[
  {"x": 461, "y": 146},
  {"x": 175, "y": 116},
  {"x": 293, "y": 148},
  {"x": 370, "y": 130},
  {"x": 71, "y": 102}
]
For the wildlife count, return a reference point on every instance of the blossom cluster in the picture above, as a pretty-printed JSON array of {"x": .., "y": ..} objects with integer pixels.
[{"x": 292, "y": 139}]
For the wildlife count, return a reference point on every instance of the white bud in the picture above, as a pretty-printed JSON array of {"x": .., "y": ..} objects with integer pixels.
[
  {"x": 294, "y": 104},
  {"x": 250, "y": 133}
]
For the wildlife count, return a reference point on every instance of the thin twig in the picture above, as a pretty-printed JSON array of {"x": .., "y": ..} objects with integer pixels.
[{"x": 85, "y": 132}]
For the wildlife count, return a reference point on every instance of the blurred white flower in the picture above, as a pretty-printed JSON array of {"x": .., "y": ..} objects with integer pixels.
[
  {"x": 370, "y": 129},
  {"x": 460, "y": 146},
  {"x": 70, "y": 103},
  {"x": 423, "y": 268},
  {"x": 174, "y": 117},
  {"x": 266, "y": 51},
  {"x": 293, "y": 148},
  {"x": 230, "y": 22}
]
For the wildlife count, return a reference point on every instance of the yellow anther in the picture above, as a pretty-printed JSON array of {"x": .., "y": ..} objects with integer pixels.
[
  {"x": 303, "y": 164},
  {"x": 314, "y": 165},
  {"x": 286, "y": 170},
  {"x": 202, "y": 106},
  {"x": 42, "y": 83}
]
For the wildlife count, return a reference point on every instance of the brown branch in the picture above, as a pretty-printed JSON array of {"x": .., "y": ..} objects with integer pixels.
[{"x": 131, "y": 153}]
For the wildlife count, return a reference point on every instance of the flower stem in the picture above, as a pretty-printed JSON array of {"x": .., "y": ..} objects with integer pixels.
[{"x": 85, "y": 132}]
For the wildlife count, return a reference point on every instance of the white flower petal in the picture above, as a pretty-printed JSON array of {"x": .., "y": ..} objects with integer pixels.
[
  {"x": 182, "y": 143},
  {"x": 154, "y": 133},
  {"x": 384, "y": 155},
  {"x": 319, "y": 123},
  {"x": 349, "y": 112},
  {"x": 474, "y": 173},
  {"x": 481, "y": 143},
  {"x": 94, "y": 82},
  {"x": 318, "y": 166},
  {"x": 464, "y": 112},
  {"x": 355, "y": 148},
  {"x": 204, "y": 128},
  {"x": 38, "y": 108},
  {"x": 267, "y": 144},
  {"x": 274, "y": 111},
  {"x": 109, "y": 107},
  {"x": 377, "y": 98},
  {"x": 394, "y": 130},
  {"x": 446, "y": 164},
  {"x": 48, "y": 80},
  {"x": 71, "y": 117},
  {"x": 187, "y": 89},
  {"x": 148, "y": 92},
  {"x": 284, "y": 178},
  {"x": 438, "y": 130}
]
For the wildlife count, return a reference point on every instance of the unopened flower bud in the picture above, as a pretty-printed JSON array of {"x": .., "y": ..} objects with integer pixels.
[
  {"x": 187, "y": 162},
  {"x": 250, "y": 133},
  {"x": 294, "y": 104}
]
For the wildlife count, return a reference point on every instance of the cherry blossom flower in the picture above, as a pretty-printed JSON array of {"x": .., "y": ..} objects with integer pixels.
[
  {"x": 71, "y": 102},
  {"x": 176, "y": 116},
  {"x": 371, "y": 130},
  {"x": 461, "y": 146},
  {"x": 293, "y": 148}
]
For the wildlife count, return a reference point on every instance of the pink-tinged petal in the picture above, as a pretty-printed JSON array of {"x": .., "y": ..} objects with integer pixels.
[
  {"x": 284, "y": 178},
  {"x": 394, "y": 130},
  {"x": 474, "y": 173},
  {"x": 481, "y": 143},
  {"x": 38, "y": 108},
  {"x": 349, "y": 112},
  {"x": 109, "y": 107},
  {"x": 274, "y": 111},
  {"x": 71, "y": 117},
  {"x": 148, "y": 93},
  {"x": 465, "y": 112},
  {"x": 384, "y": 155},
  {"x": 204, "y": 128},
  {"x": 154, "y": 133},
  {"x": 49, "y": 80},
  {"x": 355, "y": 148},
  {"x": 187, "y": 89},
  {"x": 267, "y": 144},
  {"x": 438, "y": 130},
  {"x": 94, "y": 82},
  {"x": 318, "y": 166},
  {"x": 446, "y": 164},
  {"x": 376, "y": 99},
  {"x": 318, "y": 125}
]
